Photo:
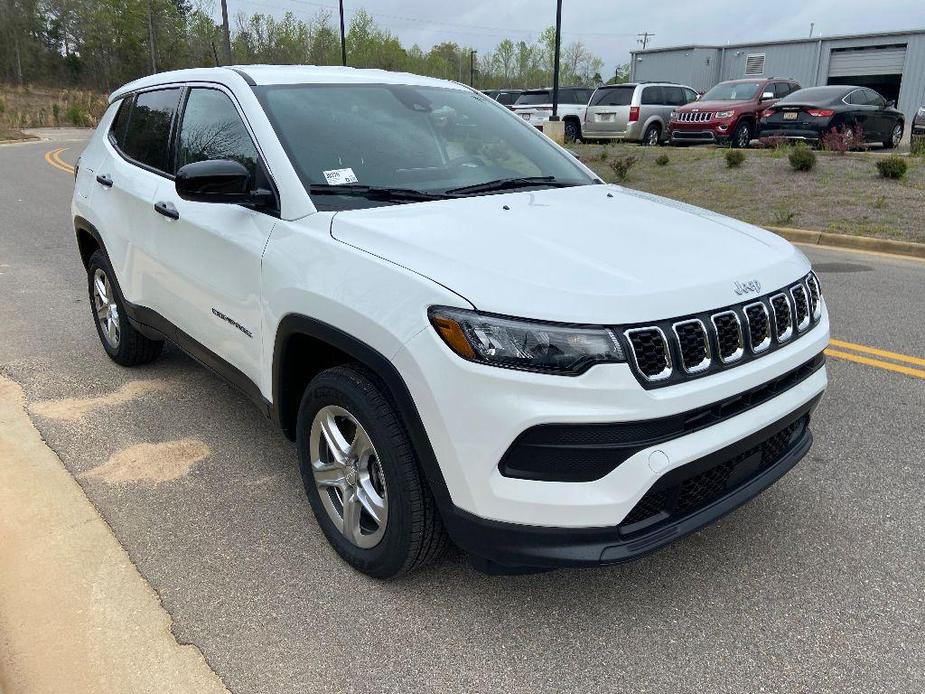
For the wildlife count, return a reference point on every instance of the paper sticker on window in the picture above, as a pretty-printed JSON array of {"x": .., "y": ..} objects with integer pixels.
[{"x": 338, "y": 177}]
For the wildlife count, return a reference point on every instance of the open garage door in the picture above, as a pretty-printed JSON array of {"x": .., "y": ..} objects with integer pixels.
[{"x": 877, "y": 67}]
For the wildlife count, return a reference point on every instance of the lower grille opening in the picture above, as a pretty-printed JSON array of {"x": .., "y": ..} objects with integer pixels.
[{"x": 691, "y": 487}]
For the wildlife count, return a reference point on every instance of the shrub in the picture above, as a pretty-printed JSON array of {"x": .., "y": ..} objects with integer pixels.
[
  {"x": 734, "y": 158},
  {"x": 842, "y": 140},
  {"x": 603, "y": 155},
  {"x": 802, "y": 158},
  {"x": 917, "y": 147},
  {"x": 662, "y": 160},
  {"x": 783, "y": 215},
  {"x": 893, "y": 166},
  {"x": 621, "y": 167},
  {"x": 56, "y": 112},
  {"x": 880, "y": 202},
  {"x": 76, "y": 116}
]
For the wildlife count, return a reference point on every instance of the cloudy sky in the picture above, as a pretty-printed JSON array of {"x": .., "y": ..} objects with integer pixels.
[{"x": 610, "y": 27}]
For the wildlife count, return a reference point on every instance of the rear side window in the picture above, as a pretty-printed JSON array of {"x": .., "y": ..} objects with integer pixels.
[
  {"x": 652, "y": 96},
  {"x": 117, "y": 130},
  {"x": 534, "y": 98},
  {"x": 507, "y": 98},
  {"x": 613, "y": 96},
  {"x": 147, "y": 140},
  {"x": 583, "y": 95},
  {"x": 856, "y": 98},
  {"x": 212, "y": 129}
]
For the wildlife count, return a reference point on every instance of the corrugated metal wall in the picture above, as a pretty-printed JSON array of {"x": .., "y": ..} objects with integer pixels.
[{"x": 807, "y": 62}]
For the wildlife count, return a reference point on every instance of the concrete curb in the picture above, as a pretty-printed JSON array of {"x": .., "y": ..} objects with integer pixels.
[{"x": 858, "y": 243}]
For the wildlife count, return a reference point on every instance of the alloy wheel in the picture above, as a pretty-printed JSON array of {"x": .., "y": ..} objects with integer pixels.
[
  {"x": 349, "y": 476},
  {"x": 652, "y": 137},
  {"x": 107, "y": 312},
  {"x": 897, "y": 135}
]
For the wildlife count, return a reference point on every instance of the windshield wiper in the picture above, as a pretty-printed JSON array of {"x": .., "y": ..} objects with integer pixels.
[
  {"x": 375, "y": 192},
  {"x": 511, "y": 184}
]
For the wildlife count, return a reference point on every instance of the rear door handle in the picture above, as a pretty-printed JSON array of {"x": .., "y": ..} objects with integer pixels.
[
  {"x": 104, "y": 180},
  {"x": 167, "y": 209}
]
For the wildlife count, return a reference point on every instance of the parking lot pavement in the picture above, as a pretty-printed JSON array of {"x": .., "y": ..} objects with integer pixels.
[{"x": 817, "y": 585}]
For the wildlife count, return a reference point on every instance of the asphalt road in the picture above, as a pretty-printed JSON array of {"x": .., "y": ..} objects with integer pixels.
[{"x": 818, "y": 585}]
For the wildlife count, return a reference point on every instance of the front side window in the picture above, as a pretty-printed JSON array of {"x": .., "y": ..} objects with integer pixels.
[
  {"x": 147, "y": 139},
  {"x": 212, "y": 129},
  {"x": 733, "y": 91},
  {"x": 426, "y": 139},
  {"x": 689, "y": 95},
  {"x": 507, "y": 98},
  {"x": 674, "y": 96}
]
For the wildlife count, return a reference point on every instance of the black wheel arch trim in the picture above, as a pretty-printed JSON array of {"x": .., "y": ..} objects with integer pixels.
[{"x": 382, "y": 367}]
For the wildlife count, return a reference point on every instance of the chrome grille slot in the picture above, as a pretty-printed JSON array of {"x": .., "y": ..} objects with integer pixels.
[
  {"x": 728, "y": 336},
  {"x": 759, "y": 326},
  {"x": 783, "y": 321},
  {"x": 801, "y": 304},
  {"x": 693, "y": 345},
  {"x": 815, "y": 305},
  {"x": 650, "y": 352},
  {"x": 692, "y": 117}
]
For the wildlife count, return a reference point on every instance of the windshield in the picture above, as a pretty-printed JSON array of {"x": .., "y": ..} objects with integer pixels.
[
  {"x": 732, "y": 91},
  {"x": 424, "y": 139},
  {"x": 534, "y": 98}
]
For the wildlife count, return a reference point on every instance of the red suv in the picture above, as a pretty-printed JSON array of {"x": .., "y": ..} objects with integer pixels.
[{"x": 729, "y": 112}]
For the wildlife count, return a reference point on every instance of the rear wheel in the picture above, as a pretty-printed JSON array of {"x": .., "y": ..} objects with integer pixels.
[
  {"x": 895, "y": 137},
  {"x": 742, "y": 135},
  {"x": 652, "y": 135},
  {"x": 361, "y": 476},
  {"x": 124, "y": 345}
]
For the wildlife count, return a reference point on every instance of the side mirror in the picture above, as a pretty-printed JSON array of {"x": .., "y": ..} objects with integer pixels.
[
  {"x": 216, "y": 180},
  {"x": 767, "y": 95},
  {"x": 891, "y": 103}
]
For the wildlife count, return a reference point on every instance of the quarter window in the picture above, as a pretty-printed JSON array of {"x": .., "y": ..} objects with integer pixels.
[
  {"x": 212, "y": 129},
  {"x": 147, "y": 140},
  {"x": 117, "y": 131}
]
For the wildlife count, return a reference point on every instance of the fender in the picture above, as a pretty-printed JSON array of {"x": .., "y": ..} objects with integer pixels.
[
  {"x": 384, "y": 370},
  {"x": 82, "y": 225}
]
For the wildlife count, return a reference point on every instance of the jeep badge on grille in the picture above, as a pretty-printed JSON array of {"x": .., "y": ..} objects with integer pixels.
[{"x": 750, "y": 287}]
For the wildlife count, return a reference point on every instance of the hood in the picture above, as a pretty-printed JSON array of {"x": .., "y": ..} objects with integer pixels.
[
  {"x": 715, "y": 105},
  {"x": 588, "y": 254}
]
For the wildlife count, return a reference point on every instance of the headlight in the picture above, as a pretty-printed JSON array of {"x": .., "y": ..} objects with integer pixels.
[
  {"x": 674, "y": 115},
  {"x": 724, "y": 114},
  {"x": 522, "y": 344}
]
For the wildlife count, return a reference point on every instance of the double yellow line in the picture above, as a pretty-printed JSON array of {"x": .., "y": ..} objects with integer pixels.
[
  {"x": 54, "y": 158},
  {"x": 837, "y": 350}
]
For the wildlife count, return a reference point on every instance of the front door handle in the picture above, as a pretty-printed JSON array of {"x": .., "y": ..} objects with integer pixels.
[
  {"x": 104, "y": 180},
  {"x": 167, "y": 209}
]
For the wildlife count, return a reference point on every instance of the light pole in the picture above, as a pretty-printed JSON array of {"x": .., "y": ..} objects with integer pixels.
[
  {"x": 472, "y": 68},
  {"x": 555, "y": 69},
  {"x": 226, "y": 33},
  {"x": 343, "y": 40}
]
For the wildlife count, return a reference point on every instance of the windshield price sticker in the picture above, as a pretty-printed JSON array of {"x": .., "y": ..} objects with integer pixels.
[{"x": 338, "y": 177}]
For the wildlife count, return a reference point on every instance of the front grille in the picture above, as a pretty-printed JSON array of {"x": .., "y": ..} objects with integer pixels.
[
  {"x": 693, "y": 344},
  {"x": 783, "y": 321},
  {"x": 692, "y": 487},
  {"x": 728, "y": 336},
  {"x": 704, "y": 343},
  {"x": 759, "y": 326},
  {"x": 801, "y": 304},
  {"x": 692, "y": 117},
  {"x": 650, "y": 350}
]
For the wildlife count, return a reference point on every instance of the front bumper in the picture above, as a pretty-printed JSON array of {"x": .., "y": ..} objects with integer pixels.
[{"x": 682, "y": 502}]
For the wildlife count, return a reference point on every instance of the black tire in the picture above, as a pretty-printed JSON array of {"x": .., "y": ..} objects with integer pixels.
[
  {"x": 132, "y": 348},
  {"x": 742, "y": 135},
  {"x": 572, "y": 130},
  {"x": 892, "y": 141},
  {"x": 652, "y": 136},
  {"x": 414, "y": 534}
]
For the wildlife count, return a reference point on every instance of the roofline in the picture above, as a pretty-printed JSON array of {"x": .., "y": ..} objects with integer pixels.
[{"x": 815, "y": 39}]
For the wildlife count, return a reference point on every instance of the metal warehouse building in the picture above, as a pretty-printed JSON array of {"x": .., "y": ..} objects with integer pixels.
[{"x": 893, "y": 63}]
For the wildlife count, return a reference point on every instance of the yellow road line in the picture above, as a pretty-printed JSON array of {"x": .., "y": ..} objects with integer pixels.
[
  {"x": 908, "y": 371},
  {"x": 918, "y": 361},
  {"x": 53, "y": 158}
]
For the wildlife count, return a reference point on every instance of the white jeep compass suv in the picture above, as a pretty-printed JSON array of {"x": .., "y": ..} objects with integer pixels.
[{"x": 467, "y": 334}]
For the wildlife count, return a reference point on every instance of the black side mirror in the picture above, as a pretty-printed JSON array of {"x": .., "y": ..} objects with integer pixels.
[
  {"x": 219, "y": 180},
  {"x": 891, "y": 103}
]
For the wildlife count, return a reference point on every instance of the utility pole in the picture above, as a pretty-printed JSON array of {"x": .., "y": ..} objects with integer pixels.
[
  {"x": 151, "y": 39},
  {"x": 812, "y": 25},
  {"x": 472, "y": 68},
  {"x": 555, "y": 67},
  {"x": 226, "y": 33},
  {"x": 643, "y": 39},
  {"x": 343, "y": 39}
]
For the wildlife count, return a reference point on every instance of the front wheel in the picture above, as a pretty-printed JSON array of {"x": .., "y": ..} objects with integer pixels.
[
  {"x": 742, "y": 135},
  {"x": 895, "y": 137},
  {"x": 361, "y": 476}
]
